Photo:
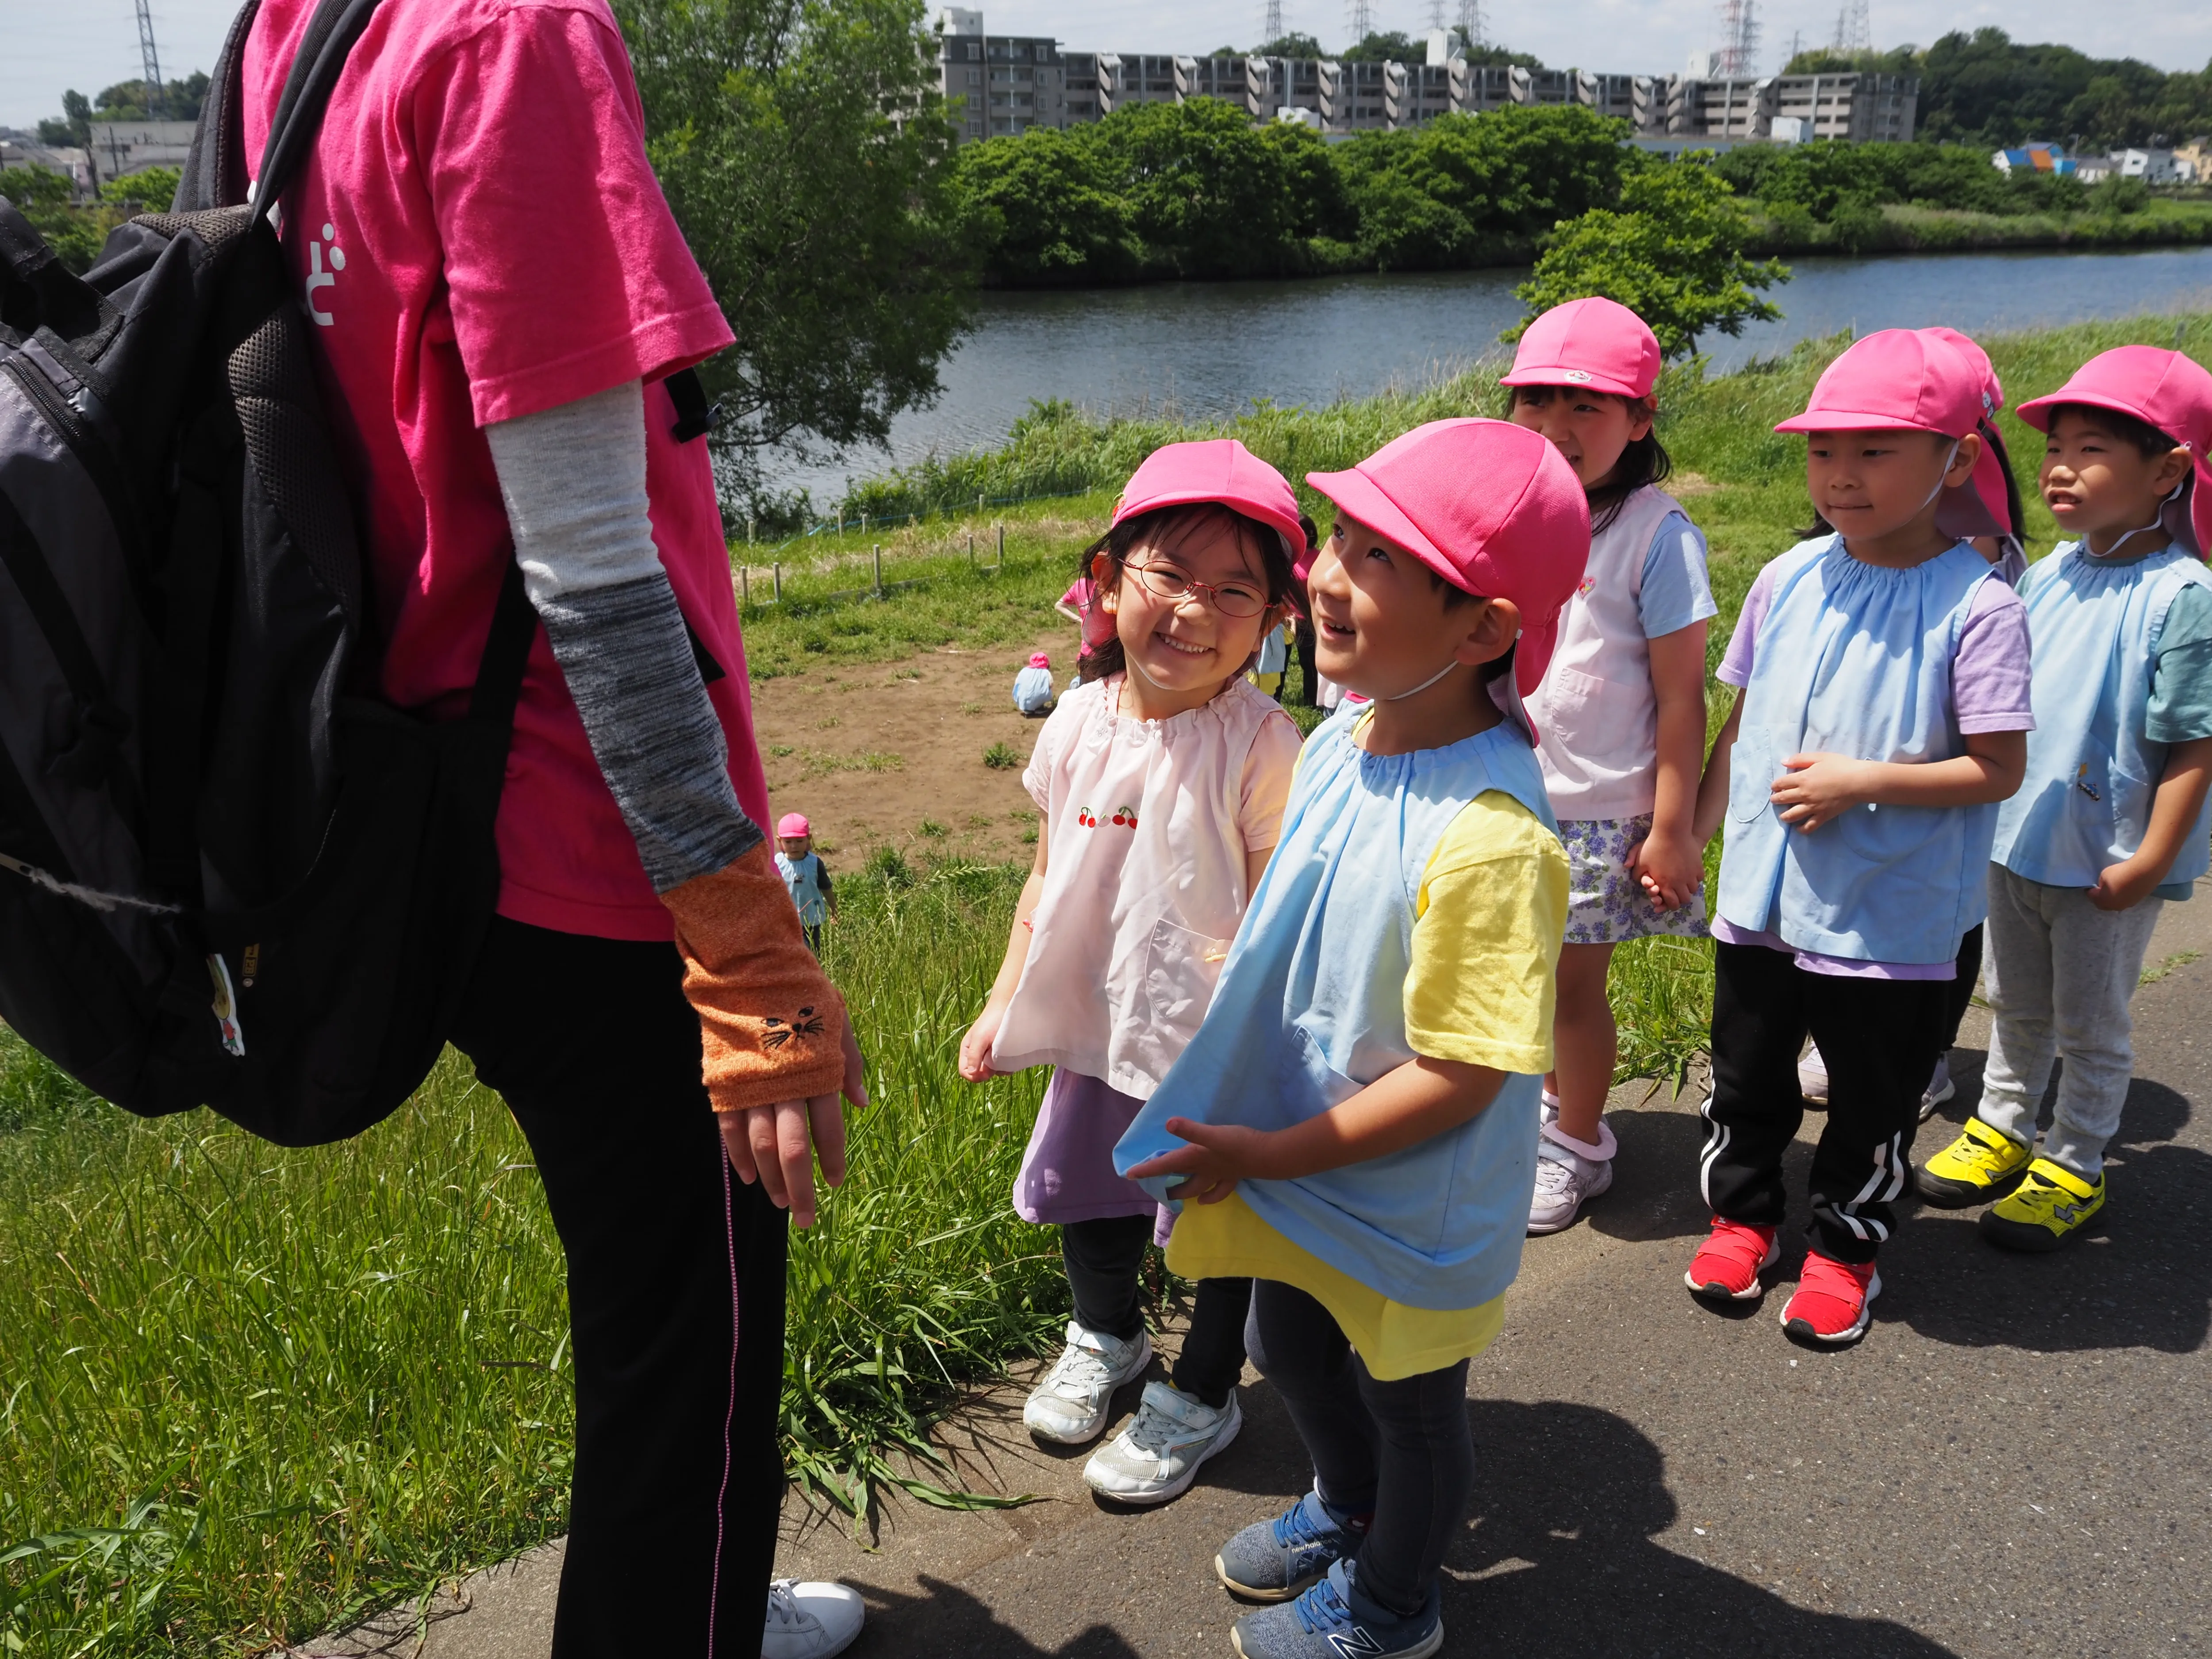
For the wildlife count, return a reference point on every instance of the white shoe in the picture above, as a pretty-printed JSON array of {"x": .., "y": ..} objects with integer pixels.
[
  {"x": 1940, "y": 1089},
  {"x": 1158, "y": 1455},
  {"x": 1567, "y": 1175},
  {"x": 1068, "y": 1405},
  {"x": 1813, "y": 1076},
  {"x": 810, "y": 1620}
]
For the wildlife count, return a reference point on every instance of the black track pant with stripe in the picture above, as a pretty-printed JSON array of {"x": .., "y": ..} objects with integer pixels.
[
  {"x": 676, "y": 1294},
  {"x": 1880, "y": 1039}
]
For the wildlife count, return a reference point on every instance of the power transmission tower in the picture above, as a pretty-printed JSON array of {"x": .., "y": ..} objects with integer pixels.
[
  {"x": 1470, "y": 24},
  {"x": 1739, "y": 37},
  {"x": 1362, "y": 14},
  {"x": 1854, "y": 27},
  {"x": 150, "y": 60},
  {"x": 1272, "y": 24}
]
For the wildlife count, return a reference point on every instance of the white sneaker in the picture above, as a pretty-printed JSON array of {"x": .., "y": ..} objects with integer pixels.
[
  {"x": 1940, "y": 1089},
  {"x": 1158, "y": 1454},
  {"x": 1565, "y": 1181},
  {"x": 1813, "y": 1076},
  {"x": 810, "y": 1620},
  {"x": 1068, "y": 1405}
]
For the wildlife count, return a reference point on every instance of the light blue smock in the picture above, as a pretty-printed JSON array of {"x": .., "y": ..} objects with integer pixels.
[
  {"x": 802, "y": 878},
  {"x": 2092, "y": 773},
  {"x": 1311, "y": 1010},
  {"x": 1853, "y": 659},
  {"x": 1033, "y": 690},
  {"x": 1274, "y": 650}
]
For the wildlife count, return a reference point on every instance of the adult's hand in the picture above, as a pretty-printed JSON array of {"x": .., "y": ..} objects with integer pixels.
[{"x": 777, "y": 1144}]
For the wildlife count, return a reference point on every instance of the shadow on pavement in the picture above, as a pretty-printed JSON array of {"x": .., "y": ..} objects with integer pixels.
[{"x": 1560, "y": 1562}]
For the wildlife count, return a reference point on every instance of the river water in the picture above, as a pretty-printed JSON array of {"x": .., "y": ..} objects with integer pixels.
[{"x": 1211, "y": 348}]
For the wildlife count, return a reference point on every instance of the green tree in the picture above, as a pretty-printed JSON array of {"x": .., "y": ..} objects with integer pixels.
[
  {"x": 1290, "y": 45},
  {"x": 1467, "y": 187},
  {"x": 1672, "y": 252},
  {"x": 152, "y": 188},
  {"x": 74, "y": 232},
  {"x": 1391, "y": 48},
  {"x": 1042, "y": 210},
  {"x": 807, "y": 157}
]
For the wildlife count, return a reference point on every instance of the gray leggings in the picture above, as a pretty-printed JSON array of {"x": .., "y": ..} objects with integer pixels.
[{"x": 1402, "y": 1449}]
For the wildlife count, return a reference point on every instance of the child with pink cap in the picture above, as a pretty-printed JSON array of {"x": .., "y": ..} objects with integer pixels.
[
  {"x": 1161, "y": 779},
  {"x": 1033, "y": 685},
  {"x": 1621, "y": 712},
  {"x": 1882, "y": 712},
  {"x": 1991, "y": 519},
  {"x": 1355, "y": 1123},
  {"x": 805, "y": 877},
  {"x": 2111, "y": 820}
]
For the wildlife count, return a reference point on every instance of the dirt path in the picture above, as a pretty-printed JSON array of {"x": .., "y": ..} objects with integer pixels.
[{"x": 892, "y": 754}]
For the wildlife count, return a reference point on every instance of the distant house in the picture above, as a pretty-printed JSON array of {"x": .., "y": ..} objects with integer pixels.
[
  {"x": 21, "y": 149},
  {"x": 2095, "y": 169},
  {"x": 120, "y": 148},
  {"x": 2153, "y": 167},
  {"x": 2036, "y": 155}
]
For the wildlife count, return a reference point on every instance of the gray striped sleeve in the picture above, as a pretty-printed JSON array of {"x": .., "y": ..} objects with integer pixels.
[{"x": 573, "y": 481}]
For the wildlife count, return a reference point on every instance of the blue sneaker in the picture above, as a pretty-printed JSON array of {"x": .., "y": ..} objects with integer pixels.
[
  {"x": 1334, "y": 1620},
  {"x": 1274, "y": 1560}
]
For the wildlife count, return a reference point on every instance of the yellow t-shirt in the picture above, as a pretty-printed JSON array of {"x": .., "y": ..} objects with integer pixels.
[{"x": 1490, "y": 915}]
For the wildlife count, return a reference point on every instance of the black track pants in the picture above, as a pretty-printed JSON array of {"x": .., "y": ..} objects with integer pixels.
[
  {"x": 1879, "y": 1038},
  {"x": 675, "y": 1293}
]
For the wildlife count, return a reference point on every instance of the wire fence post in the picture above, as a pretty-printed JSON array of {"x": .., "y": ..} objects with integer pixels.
[
  {"x": 1002, "y": 547},
  {"x": 751, "y": 526},
  {"x": 777, "y": 571},
  {"x": 971, "y": 547},
  {"x": 880, "y": 570},
  {"x": 745, "y": 586}
]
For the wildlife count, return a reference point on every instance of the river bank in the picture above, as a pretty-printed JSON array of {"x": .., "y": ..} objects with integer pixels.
[{"x": 1899, "y": 228}]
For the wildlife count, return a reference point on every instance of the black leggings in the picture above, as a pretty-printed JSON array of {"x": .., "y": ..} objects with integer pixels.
[
  {"x": 676, "y": 1288},
  {"x": 1104, "y": 1258},
  {"x": 1962, "y": 988},
  {"x": 1400, "y": 1450}
]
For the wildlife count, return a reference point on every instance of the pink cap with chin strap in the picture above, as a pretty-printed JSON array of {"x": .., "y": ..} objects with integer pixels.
[
  {"x": 2168, "y": 391},
  {"x": 1898, "y": 379},
  {"x": 1039, "y": 660},
  {"x": 1988, "y": 510},
  {"x": 1598, "y": 344},
  {"x": 792, "y": 825}
]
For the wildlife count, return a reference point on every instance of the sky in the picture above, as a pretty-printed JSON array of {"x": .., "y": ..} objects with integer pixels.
[{"x": 90, "y": 44}]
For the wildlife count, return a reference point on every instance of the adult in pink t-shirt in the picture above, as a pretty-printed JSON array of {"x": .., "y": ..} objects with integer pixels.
[{"x": 499, "y": 292}]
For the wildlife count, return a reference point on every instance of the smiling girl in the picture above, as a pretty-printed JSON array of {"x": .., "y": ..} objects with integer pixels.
[
  {"x": 1162, "y": 781},
  {"x": 1620, "y": 714}
]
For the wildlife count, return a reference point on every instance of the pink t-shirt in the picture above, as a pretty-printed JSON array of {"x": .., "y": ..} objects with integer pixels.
[
  {"x": 479, "y": 237},
  {"x": 1098, "y": 624}
]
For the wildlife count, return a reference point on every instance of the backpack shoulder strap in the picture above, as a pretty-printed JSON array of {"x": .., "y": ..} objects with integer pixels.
[
  {"x": 215, "y": 169},
  {"x": 316, "y": 67}
]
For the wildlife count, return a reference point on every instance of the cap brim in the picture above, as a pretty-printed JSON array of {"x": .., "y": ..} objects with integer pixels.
[
  {"x": 1843, "y": 420},
  {"x": 2036, "y": 411},
  {"x": 1360, "y": 497},
  {"x": 1559, "y": 377}
]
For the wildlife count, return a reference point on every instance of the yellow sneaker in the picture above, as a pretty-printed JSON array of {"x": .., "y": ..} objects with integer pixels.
[
  {"x": 1979, "y": 1165},
  {"x": 2049, "y": 1206}
]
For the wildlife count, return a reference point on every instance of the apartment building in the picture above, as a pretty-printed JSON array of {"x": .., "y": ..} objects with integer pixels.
[{"x": 1011, "y": 84}]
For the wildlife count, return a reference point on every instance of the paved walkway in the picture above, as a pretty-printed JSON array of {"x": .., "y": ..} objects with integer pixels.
[{"x": 2015, "y": 1462}]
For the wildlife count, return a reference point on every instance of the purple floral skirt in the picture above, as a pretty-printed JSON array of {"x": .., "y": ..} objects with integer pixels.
[{"x": 1606, "y": 904}]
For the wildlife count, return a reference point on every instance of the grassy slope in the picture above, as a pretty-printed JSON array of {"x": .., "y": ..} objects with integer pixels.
[
  {"x": 2162, "y": 223},
  {"x": 272, "y": 1387}
]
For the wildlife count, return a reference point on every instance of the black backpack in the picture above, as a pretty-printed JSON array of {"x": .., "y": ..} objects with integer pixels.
[{"x": 229, "y": 876}]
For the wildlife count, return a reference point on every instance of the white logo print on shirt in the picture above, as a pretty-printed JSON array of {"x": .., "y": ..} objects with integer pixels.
[{"x": 318, "y": 277}]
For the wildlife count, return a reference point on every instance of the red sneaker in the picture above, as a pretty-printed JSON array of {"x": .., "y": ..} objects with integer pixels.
[
  {"x": 1833, "y": 1301},
  {"x": 1729, "y": 1263}
]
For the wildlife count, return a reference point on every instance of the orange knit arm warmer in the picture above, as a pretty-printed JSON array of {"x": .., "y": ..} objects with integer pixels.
[{"x": 772, "y": 1024}]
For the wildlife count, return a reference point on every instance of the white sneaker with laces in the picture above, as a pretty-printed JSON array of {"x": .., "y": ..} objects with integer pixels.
[
  {"x": 1068, "y": 1405},
  {"x": 810, "y": 1620},
  {"x": 1158, "y": 1455},
  {"x": 1569, "y": 1173}
]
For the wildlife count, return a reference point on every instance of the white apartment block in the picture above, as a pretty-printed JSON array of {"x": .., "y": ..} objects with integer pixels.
[{"x": 1011, "y": 84}]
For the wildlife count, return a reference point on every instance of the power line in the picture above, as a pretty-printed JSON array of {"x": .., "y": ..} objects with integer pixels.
[
  {"x": 149, "y": 60},
  {"x": 1362, "y": 15},
  {"x": 1471, "y": 23},
  {"x": 1739, "y": 22},
  {"x": 1436, "y": 14},
  {"x": 1271, "y": 28},
  {"x": 1854, "y": 27}
]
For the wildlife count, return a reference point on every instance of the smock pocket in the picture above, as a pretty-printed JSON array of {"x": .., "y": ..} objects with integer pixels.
[
  {"x": 1181, "y": 967},
  {"x": 1752, "y": 772},
  {"x": 1569, "y": 707}
]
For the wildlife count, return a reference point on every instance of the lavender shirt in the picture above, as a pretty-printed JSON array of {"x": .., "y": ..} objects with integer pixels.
[{"x": 1989, "y": 693}]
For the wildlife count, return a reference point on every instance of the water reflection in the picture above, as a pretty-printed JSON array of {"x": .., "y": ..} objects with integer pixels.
[{"x": 1210, "y": 348}]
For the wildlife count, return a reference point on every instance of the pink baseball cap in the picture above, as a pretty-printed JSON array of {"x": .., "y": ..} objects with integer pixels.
[
  {"x": 1039, "y": 660},
  {"x": 2173, "y": 394},
  {"x": 1220, "y": 470},
  {"x": 1597, "y": 342},
  {"x": 1492, "y": 508},
  {"x": 1901, "y": 378},
  {"x": 792, "y": 823}
]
